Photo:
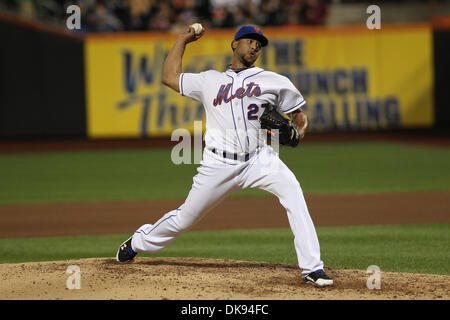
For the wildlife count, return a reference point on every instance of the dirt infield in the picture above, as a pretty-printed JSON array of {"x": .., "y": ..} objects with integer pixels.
[
  {"x": 205, "y": 279},
  {"x": 189, "y": 278},
  {"x": 234, "y": 213}
]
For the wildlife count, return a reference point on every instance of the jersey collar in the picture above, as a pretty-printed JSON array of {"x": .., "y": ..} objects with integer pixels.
[
  {"x": 244, "y": 72},
  {"x": 239, "y": 70}
]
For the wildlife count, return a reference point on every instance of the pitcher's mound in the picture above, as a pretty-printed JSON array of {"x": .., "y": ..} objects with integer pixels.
[{"x": 203, "y": 279}]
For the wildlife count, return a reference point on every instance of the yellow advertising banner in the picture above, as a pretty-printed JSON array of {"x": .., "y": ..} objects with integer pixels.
[{"x": 352, "y": 78}]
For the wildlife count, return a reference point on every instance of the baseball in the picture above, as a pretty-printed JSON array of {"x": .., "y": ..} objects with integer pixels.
[{"x": 198, "y": 28}]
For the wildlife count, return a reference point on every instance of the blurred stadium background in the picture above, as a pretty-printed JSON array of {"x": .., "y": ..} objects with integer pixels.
[
  {"x": 144, "y": 15},
  {"x": 103, "y": 80}
]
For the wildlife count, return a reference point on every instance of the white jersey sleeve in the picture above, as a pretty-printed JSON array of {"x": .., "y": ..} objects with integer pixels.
[
  {"x": 191, "y": 85},
  {"x": 289, "y": 97}
]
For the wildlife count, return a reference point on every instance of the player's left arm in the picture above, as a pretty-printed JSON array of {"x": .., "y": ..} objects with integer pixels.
[{"x": 300, "y": 120}]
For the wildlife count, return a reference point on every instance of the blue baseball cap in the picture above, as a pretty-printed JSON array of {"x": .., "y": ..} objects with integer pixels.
[{"x": 252, "y": 32}]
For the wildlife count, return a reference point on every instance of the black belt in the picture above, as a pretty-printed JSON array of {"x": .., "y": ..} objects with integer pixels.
[{"x": 233, "y": 156}]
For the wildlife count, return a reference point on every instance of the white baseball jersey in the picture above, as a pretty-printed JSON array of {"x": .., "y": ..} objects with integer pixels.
[{"x": 234, "y": 102}]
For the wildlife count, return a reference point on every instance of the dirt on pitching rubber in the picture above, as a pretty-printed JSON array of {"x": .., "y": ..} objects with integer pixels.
[{"x": 205, "y": 279}]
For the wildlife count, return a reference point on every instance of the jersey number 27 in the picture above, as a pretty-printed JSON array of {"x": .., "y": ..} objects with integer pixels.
[{"x": 253, "y": 109}]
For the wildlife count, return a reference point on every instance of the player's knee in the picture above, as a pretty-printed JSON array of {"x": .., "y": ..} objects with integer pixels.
[
  {"x": 290, "y": 180},
  {"x": 292, "y": 189}
]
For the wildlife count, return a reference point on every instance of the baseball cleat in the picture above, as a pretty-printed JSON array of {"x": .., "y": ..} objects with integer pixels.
[
  {"x": 125, "y": 253},
  {"x": 318, "y": 278}
]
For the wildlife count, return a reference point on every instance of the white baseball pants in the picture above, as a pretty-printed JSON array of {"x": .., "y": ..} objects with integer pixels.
[{"x": 217, "y": 177}]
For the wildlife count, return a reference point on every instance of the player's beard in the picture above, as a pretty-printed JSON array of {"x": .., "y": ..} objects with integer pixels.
[{"x": 247, "y": 60}]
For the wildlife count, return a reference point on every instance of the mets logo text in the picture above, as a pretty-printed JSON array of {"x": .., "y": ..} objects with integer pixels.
[{"x": 253, "y": 89}]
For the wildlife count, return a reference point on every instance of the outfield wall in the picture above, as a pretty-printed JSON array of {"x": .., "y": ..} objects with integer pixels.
[
  {"x": 109, "y": 86},
  {"x": 41, "y": 82},
  {"x": 442, "y": 77},
  {"x": 352, "y": 78}
]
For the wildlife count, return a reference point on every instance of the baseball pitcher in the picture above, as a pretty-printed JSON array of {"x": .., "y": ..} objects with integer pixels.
[{"x": 240, "y": 103}]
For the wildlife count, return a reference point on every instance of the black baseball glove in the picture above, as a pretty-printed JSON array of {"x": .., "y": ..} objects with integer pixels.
[{"x": 272, "y": 120}]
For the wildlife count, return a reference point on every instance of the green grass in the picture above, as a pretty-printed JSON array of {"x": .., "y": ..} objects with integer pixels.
[
  {"x": 369, "y": 167},
  {"x": 399, "y": 248},
  {"x": 129, "y": 175}
]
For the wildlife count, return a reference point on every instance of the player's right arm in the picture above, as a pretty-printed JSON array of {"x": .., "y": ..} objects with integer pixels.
[{"x": 172, "y": 64}]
